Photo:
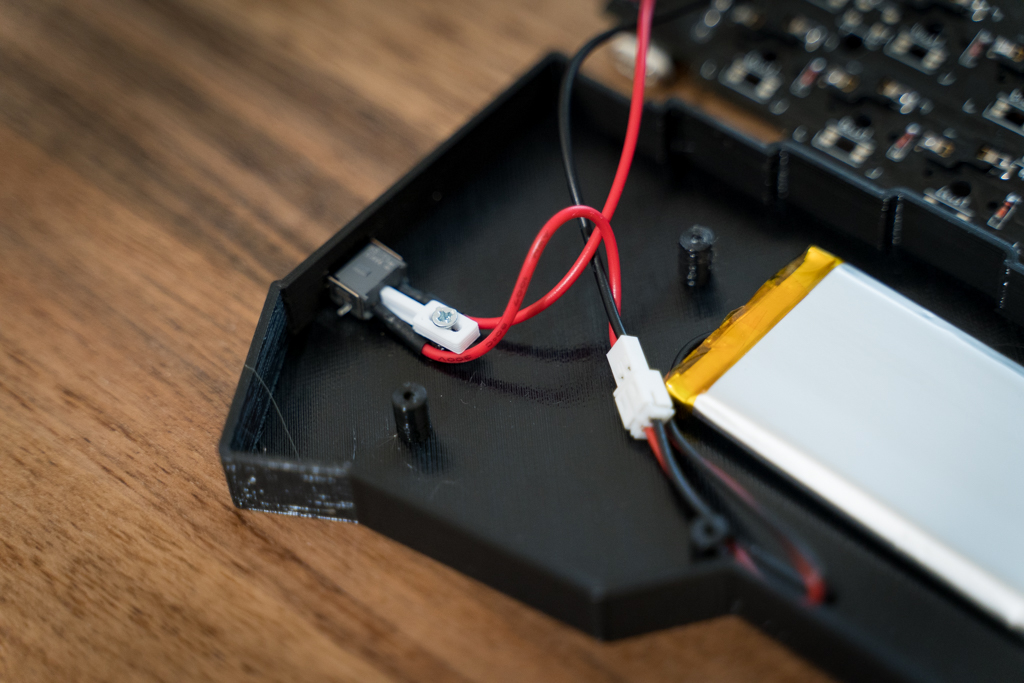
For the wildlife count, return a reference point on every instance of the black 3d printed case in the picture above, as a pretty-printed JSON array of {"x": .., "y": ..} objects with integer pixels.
[{"x": 528, "y": 481}]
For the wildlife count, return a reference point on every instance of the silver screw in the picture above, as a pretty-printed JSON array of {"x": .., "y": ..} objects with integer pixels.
[{"x": 444, "y": 317}]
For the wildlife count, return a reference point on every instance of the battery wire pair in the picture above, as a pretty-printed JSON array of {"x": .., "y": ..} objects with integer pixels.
[
  {"x": 610, "y": 285},
  {"x": 800, "y": 558},
  {"x": 593, "y": 229},
  {"x": 709, "y": 530}
]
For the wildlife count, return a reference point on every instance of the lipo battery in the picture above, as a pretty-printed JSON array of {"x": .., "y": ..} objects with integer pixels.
[{"x": 892, "y": 415}]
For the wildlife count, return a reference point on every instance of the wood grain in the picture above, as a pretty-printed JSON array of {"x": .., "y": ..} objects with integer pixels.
[{"x": 162, "y": 162}]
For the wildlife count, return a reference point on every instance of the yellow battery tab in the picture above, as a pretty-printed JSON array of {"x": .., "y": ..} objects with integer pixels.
[{"x": 745, "y": 326}]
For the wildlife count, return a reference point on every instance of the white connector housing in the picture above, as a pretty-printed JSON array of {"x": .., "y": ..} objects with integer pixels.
[
  {"x": 640, "y": 393},
  {"x": 458, "y": 337}
]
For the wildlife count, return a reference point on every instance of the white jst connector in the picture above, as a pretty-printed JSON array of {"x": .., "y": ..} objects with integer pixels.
[
  {"x": 440, "y": 324},
  {"x": 640, "y": 393}
]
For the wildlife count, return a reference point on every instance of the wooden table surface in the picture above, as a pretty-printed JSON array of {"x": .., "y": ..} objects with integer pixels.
[{"x": 161, "y": 162}]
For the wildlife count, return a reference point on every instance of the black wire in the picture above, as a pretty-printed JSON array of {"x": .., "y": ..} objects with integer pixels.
[
  {"x": 572, "y": 177},
  {"x": 709, "y": 530},
  {"x": 766, "y": 516},
  {"x": 688, "y": 348},
  {"x": 679, "y": 480},
  {"x": 568, "y": 160}
]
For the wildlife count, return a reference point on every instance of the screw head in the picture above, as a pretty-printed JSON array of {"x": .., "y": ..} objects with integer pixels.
[{"x": 444, "y": 317}]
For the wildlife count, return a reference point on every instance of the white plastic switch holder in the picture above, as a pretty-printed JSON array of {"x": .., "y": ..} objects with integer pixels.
[
  {"x": 435, "y": 321},
  {"x": 640, "y": 393}
]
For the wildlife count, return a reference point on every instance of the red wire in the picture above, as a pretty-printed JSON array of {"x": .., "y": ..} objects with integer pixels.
[
  {"x": 743, "y": 557},
  {"x": 636, "y": 108},
  {"x": 652, "y": 441},
  {"x": 815, "y": 589},
  {"x": 814, "y": 583},
  {"x": 604, "y": 231}
]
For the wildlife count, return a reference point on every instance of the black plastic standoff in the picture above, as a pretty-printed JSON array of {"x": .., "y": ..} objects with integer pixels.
[
  {"x": 708, "y": 533},
  {"x": 411, "y": 418},
  {"x": 697, "y": 254}
]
